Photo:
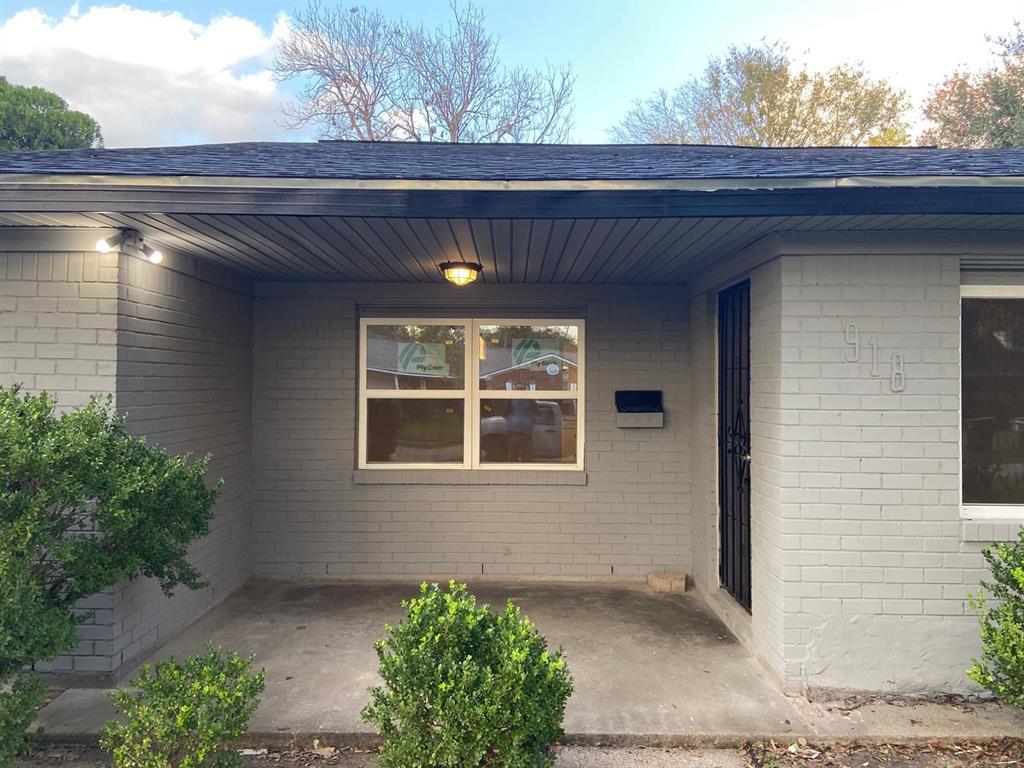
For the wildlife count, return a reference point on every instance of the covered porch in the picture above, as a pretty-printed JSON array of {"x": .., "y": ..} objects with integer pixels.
[
  {"x": 644, "y": 664},
  {"x": 650, "y": 669},
  {"x": 247, "y": 341}
]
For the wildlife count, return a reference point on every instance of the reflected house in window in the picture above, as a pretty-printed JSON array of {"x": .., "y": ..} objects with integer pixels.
[
  {"x": 545, "y": 371},
  {"x": 527, "y": 430},
  {"x": 393, "y": 364},
  {"x": 414, "y": 359},
  {"x": 535, "y": 358}
]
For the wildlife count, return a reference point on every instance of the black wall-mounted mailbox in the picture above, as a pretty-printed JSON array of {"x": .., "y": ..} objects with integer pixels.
[
  {"x": 639, "y": 408},
  {"x": 638, "y": 401}
]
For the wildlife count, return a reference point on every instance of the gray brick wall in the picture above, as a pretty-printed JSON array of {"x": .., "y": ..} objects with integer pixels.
[
  {"x": 184, "y": 370},
  {"x": 869, "y": 477},
  {"x": 58, "y": 319},
  {"x": 311, "y": 519},
  {"x": 861, "y": 563},
  {"x": 58, "y": 323}
]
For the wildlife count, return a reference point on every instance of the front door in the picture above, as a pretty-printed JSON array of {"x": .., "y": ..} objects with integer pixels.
[{"x": 734, "y": 440}]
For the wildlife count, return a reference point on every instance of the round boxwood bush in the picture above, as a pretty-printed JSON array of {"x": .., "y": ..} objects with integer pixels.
[
  {"x": 467, "y": 687},
  {"x": 184, "y": 715},
  {"x": 1001, "y": 666}
]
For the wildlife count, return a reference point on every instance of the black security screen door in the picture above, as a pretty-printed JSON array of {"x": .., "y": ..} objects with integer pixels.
[{"x": 734, "y": 440}]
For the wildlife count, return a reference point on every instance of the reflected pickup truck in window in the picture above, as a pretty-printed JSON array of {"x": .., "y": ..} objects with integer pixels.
[{"x": 521, "y": 430}]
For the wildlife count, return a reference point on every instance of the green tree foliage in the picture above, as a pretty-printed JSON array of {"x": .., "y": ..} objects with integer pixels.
[
  {"x": 466, "y": 687},
  {"x": 83, "y": 505},
  {"x": 184, "y": 715},
  {"x": 983, "y": 109},
  {"x": 1001, "y": 666},
  {"x": 34, "y": 118},
  {"x": 756, "y": 97}
]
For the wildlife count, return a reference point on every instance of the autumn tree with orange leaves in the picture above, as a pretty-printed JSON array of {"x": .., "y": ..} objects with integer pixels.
[{"x": 982, "y": 109}]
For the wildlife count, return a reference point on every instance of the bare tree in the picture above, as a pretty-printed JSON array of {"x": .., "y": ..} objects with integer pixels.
[
  {"x": 756, "y": 97},
  {"x": 351, "y": 60},
  {"x": 371, "y": 79}
]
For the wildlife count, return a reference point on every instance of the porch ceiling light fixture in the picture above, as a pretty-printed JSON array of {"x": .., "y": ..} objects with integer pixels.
[{"x": 460, "y": 272}]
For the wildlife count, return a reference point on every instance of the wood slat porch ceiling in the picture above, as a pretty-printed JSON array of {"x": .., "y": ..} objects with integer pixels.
[{"x": 600, "y": 250}]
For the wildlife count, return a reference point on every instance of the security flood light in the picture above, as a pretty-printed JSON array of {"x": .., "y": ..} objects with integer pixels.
[{"x": 134, "y": 241}]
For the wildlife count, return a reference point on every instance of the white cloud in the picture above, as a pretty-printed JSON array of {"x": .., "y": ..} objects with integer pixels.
[{"x": 151, "y": 77}]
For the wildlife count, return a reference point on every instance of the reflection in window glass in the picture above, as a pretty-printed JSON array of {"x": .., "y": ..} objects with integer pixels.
[
  {"x": 415, "y": 356},
  {"x": 529, "y": 357},
  {"x": 531, "y": 431},
  {"x": 414, "y": 431},
  {"x": 992, "y": 368}
]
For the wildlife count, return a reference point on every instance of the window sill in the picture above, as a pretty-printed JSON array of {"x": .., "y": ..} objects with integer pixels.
[
  {"x": 986, "y": 527},
  {"x": 469, "y": 477}
]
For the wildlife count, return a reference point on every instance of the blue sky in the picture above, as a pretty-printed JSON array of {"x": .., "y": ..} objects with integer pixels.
[{"x": 167, "y": 71}]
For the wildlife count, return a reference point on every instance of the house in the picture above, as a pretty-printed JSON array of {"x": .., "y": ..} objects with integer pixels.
[{"x": 837, "y": 337}]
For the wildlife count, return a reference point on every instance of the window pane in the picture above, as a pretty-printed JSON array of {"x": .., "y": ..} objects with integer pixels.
[
  {"x": 529, "y": 357},
  {"x": 415, "y": 356},
  {"x": 993, "y": 401},
  {"x": 414, "y": 431},
  {"x": 532, "y": 431}
]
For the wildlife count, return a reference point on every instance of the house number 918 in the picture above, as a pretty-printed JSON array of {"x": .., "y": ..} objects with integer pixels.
[{"x": 852, "y": 354}]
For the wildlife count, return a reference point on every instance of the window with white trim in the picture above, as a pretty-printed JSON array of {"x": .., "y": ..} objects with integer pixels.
[
  {"x": 471, "y": 393},
  {"x": 992, "y": 400}
]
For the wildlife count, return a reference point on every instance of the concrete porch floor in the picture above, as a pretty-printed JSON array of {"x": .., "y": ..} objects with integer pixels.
[{"x": 649, "y": 669}]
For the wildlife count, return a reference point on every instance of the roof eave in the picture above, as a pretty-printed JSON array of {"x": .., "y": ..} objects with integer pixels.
[{"x": 761, "y": 183}]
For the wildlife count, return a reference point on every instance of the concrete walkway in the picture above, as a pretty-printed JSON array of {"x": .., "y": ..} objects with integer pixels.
[{"x": 649, "y": 670}]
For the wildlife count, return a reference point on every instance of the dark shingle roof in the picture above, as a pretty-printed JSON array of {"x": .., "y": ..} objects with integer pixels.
[{"x": 524, "y": 162}]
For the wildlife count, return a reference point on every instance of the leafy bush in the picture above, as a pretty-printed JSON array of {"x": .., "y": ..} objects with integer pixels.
[
  {"x": 83, "y": 505},
  {"x": 183, "y": 715},
  {"x": 1001, "y": 666},
  {"x": 18, "y": 707},
  {"x": 465, "y": 687}
]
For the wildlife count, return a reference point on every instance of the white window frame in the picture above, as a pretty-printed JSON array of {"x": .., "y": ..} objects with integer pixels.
[
  {"x": 471, "y": 394},
  {"x": 984, "y": 511}
]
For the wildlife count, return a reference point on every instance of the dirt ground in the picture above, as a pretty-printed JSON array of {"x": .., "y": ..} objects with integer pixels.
[{"x": 1007, "y": 754}]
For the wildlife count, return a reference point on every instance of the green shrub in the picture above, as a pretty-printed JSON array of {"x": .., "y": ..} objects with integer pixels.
[
  {"x": 83, "y": 505},
  {"x": 184, "y": 715},
  {"x": 18, "y": 707},
  {"x": 1001, "y": 666},
  {"x": 465, "y": 687}
]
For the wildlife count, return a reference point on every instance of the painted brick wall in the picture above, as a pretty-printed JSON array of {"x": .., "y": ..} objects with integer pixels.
[
  {"x": 184, "y": 381},
  {"x": 767, "y": 359},
  {"x": 311, "y": 519},
  {"x": 58, "y": 317},
  {"x": 861, "y": 561},
  {"x": 874, "y": 571},
  {"x": 57, "y": 323}
]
